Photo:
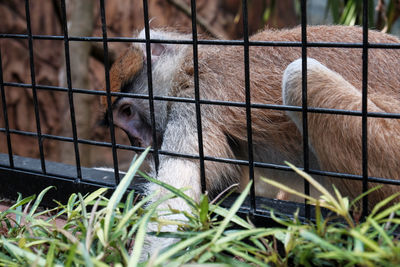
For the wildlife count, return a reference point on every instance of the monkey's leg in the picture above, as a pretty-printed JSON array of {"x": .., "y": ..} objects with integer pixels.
[{"x": 336, "y": 140}]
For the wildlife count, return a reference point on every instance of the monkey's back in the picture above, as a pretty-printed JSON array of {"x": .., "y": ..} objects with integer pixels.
[
  {"x": 222, "y": 77},
  {"x": 268, "y": 63}
]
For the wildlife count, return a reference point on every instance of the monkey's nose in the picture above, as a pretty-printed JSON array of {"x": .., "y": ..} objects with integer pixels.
[{"x": 134, "y": 141}]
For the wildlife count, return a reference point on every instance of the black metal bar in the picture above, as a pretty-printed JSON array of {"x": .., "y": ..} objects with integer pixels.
[
  {"x": 253, "y": 206},
  {"x": 109, "y": 102},
  {"x": 197, "y": 97},
  {"x": 304, "y": 99},
  {"x": 15, "y": 179},
  {"x": 70, "y": 93},
  {"x": 207, "y": 158},
  {"x": 34, "y": 92},
  {"x": 218, "y": 159},
  {"x": 355, "y": 177},
  {"x": 5, "y": 115},
  {"x": 364, "y": 108},
  {"x": 256, "y": 164},
  {"x": 206, "y": 42},
  {"x": 384, "y": 115},
  {"x": 215, "y": 159},
  {"x": 150, "y": 84}
]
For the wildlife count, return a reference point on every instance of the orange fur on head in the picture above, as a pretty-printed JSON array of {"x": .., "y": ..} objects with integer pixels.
[{"x": 127, "y": 66}]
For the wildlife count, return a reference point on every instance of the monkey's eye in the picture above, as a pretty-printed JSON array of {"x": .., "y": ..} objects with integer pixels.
[{"x": 126, "y": 110}]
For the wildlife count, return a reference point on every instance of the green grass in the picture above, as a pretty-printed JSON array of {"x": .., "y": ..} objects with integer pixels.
[{"x": 101, "y": 231}]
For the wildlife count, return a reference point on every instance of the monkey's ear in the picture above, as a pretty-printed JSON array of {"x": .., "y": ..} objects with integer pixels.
[{"x": 157, "y": 49}]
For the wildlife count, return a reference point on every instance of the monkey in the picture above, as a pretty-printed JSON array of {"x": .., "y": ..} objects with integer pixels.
[{"x": 334, "y": 80}]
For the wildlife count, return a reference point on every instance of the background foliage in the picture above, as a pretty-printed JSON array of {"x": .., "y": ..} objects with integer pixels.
[{"x": 220, "y": 18}]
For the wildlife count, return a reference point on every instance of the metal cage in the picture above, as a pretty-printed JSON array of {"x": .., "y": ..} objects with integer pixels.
[{"x": 28, "y": 176}]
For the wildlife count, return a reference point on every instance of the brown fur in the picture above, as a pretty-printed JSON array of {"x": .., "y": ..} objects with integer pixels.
[
  {"x": 335, "y": 139},
  {"x": 124, "y": 68}
]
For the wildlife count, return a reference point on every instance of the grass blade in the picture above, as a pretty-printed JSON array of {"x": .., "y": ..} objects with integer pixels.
[
  {"x": 172, "y": 189},
  {"x": 50, "y": 254},
  {"x": 119, "y": 192},
  {"x": 29, "y": 256},
  {"x": 181, "y": 246},
  {"x": 287, "y": 189},
  {"x": 364, "y": 194},
  {"x": 129, "y": 201},
  {"x": 368, "y": 242},
  {"x": 381, "y": 231},
  {"x": 314, "y": 183},
  {"x": 139, "y": 239},
  {"x": 239, "y": 235},
  {"x": 91, "y": 197},
  {"x": 125, "y": 219},
  {"x": 141, "y": 233},
  {"x": 71, "y": 255},
  {"x": 236, "y": 219},
  {"x": 39, "y": 199},
  {"x": 383, "y": 203},
  {"x": 232, "y": 212}
]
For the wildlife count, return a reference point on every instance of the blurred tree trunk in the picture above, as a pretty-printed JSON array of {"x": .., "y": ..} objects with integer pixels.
[
  {"x": 80, "y": 23},
  {"x": 282, "y": 15},
  {"x": 123, "y": 18}
]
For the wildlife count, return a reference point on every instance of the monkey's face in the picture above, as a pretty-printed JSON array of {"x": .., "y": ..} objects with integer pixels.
[
  {"x": 129, "y": 75},
  {"x": 132, "y": 114},
  {"x": 132, "y": 121}
]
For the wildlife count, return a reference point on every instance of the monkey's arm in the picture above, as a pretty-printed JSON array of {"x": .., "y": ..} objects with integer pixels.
[
  {"x": 337, "y": 139},
  {"x": 180, "y": 136}
]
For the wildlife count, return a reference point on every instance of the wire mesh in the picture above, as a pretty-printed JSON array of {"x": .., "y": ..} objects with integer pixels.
[{"x": 248, "y": 105}]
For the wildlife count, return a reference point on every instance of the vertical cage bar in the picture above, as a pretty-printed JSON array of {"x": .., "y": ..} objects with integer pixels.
[
  {"x": 197, "y": 96},
  {"x": 34, "y": 90},
  {"x": 248, "y": 103},
  {"x": 304, "y": 100},
  {"x": 70, "y": 93},
  {"x": 150, "y": 83},
  {"x": 364, "y": 108},
  {"x": 5, "y": 115},
  {"x": 108, "y": 95}
]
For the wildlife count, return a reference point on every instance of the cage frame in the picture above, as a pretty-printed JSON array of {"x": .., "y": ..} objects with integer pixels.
[{"x": 14, "y": 178}]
